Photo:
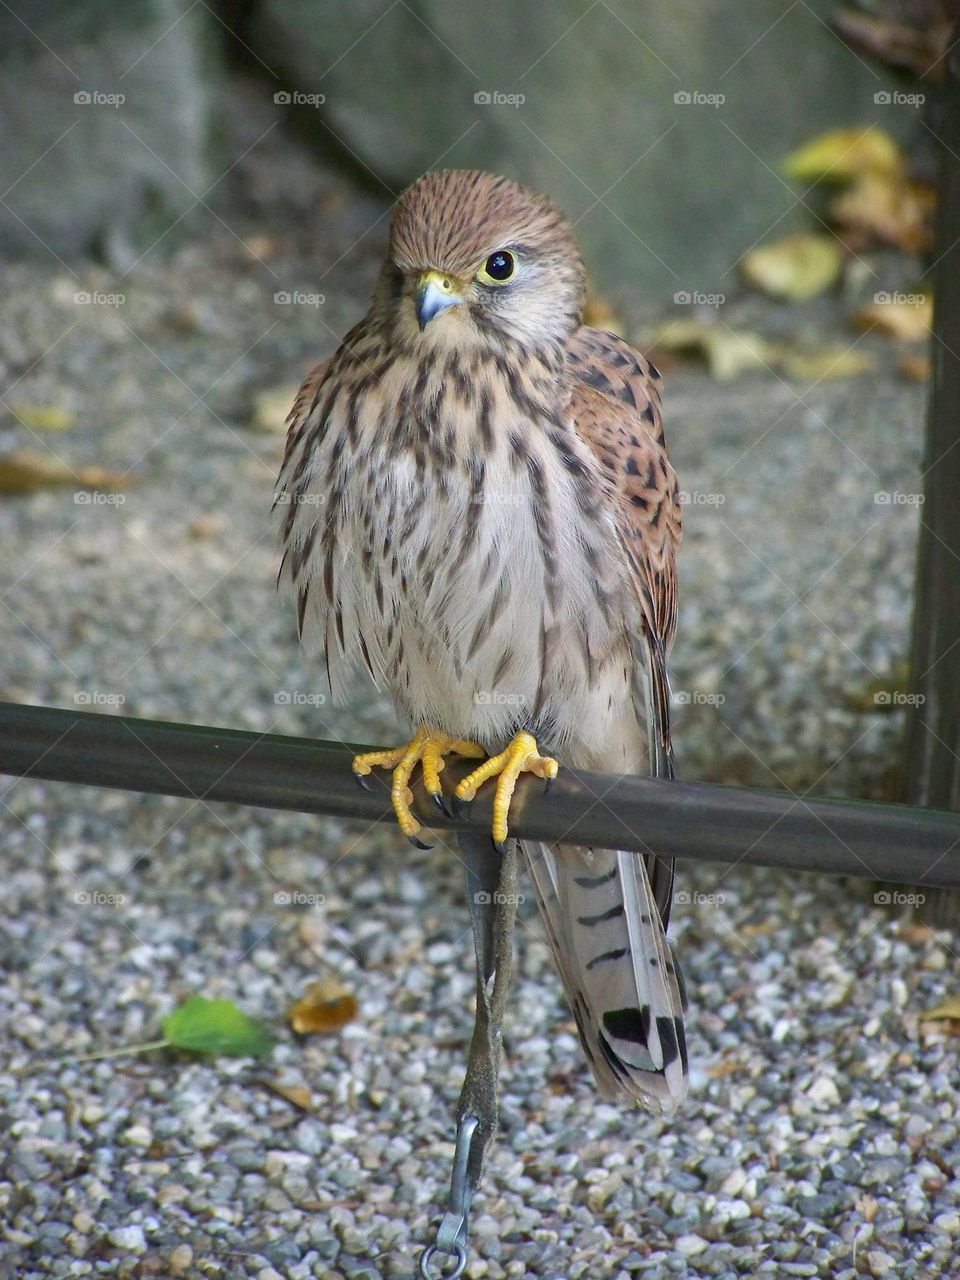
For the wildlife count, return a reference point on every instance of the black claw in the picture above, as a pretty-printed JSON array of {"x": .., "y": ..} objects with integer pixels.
[
  {"x": 548, "y": 787},
  {"x": 438, "y": 799},
  {"x": 459, "y": 808},
  {"x": 362, "y": 782},
  {"x": 418, "y": 844},
  {"x": 500, "y": 846}
]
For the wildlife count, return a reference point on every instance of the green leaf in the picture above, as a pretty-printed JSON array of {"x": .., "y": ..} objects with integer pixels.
[{"x": 216, "y": 1026}]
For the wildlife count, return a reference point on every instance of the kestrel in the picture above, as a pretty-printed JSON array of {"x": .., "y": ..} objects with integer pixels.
[{"x": 478, "y": 508}]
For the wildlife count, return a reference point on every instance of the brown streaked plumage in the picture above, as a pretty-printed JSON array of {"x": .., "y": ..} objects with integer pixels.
[{"x": 477, "y": 507}]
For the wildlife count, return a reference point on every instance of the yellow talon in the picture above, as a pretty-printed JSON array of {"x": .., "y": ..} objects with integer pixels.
[
  {"x": 428, "y": 747},
  {"x": 521, "y": 755}
]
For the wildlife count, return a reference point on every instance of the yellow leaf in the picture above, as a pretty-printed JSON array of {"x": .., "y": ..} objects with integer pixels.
[
  {"x": 325, "y": 1006},
  {"x": 945, "y": 1010},
  {"x": 23, "y": 470},
  {"x": 726, "y": 351},
  {"x": 796, "y": 267},
  {"x": 598, "y": 311},
  {"x": 271, "y": 408},
  {"x": 899, "y": 315},
  {"x": 44, "y": 417},
  {"x": 828, "y": 363},
  {"x": 841, "y": 154},
  {"x": 887, "y": 208}
]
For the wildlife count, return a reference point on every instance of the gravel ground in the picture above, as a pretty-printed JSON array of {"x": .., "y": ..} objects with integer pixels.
[{"x": 821, "y": 1134}]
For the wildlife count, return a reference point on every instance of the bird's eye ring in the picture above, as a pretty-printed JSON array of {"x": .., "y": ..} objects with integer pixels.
[{"x": 498, "y": 268}]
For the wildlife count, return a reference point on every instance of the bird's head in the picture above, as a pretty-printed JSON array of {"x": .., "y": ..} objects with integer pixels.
[{"x": 474, "y": 258}]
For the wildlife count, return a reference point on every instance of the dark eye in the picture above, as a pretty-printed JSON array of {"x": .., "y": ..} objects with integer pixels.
[{"x": 499, "y": 267}]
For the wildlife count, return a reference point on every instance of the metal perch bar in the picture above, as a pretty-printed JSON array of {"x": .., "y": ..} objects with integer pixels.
[{"x": 889, "y": 842}]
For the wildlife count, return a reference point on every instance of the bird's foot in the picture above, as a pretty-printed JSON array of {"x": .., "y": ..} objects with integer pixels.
[
  {"x": 521, "y": 755},
  {"x": 427, "y": 747}
]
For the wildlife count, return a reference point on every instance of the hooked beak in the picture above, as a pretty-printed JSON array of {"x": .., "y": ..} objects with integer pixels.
[{"x": 435, "y": 292}]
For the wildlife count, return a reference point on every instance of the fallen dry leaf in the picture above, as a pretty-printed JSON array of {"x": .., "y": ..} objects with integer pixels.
[
  {"x": 795, "y": 267},
  {"x": 271, "y": 407},
  {"x": 827, "y": 363},
  {"x": 296, "y": 1094},
  {"x": 24, "y": 470},
  {"x": 889, "y": 209},
  {"x": 841, "y": 154},
  {"x": 324, "y": 1007},
  {"x": 915, "y": 365},
  {"x": 261, "y": 245},
  {"x": 899, "y": 315},
  {"x": 946, "y": 1010},
  {"x": 918, "y": 49},
  {"x": 205, "y": 527},
  {"x": 43, "y": 417},
  {"x": 726, "y": 351},
  {"x": 725, "y": 1067}
]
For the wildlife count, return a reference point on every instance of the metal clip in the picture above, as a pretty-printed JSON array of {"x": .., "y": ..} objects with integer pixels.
[{"x": 452, "y": 1232}]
